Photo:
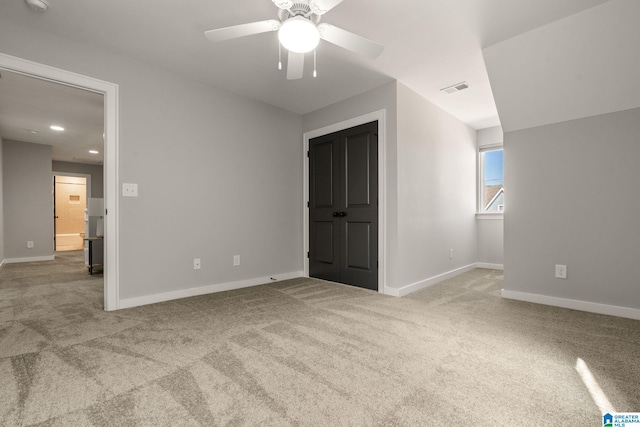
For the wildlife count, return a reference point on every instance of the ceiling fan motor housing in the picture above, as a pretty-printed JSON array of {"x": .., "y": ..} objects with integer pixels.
[{"x": 300, "y": 8}]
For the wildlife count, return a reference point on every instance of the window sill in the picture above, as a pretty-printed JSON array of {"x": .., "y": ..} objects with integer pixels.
[{"x": 490, "y": 215}]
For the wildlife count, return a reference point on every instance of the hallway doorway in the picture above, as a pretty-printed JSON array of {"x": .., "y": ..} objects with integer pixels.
[
  {"x": 108, "y": 139},
  {"x": 69, "y": 208}
]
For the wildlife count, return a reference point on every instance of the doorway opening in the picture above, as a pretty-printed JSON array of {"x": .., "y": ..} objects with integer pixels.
[
  {"x": 109, "y": 91},
  {"x": 69, "y": 212}
]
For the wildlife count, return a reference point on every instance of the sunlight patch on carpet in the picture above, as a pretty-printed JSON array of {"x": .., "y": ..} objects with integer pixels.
[{"x": 598, "y": 396}]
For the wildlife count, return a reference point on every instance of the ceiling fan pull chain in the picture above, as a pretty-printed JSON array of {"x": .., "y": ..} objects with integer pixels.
[
  {"x": 279, "y": 56},
  {"x": 315, "y": 74}
]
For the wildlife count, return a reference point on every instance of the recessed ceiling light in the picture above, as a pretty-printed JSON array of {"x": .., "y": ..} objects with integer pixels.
[
  {"x": 94, "y": 152},
  {"x": 32, "y": 131},
  {"x": 56, "y": 127}
]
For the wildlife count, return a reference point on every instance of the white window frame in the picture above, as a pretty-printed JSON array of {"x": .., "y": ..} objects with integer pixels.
[{"x": 480, "y": 213}]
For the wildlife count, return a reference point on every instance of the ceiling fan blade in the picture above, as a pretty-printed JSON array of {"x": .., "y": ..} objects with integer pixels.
[
  {"x": 349, "y": 40},
  {"x": 283, "y": 4},
  {"x": 243, "y": 30},
  {"x": 295, "y": 66},
  {"x": 320, "y": 7}
]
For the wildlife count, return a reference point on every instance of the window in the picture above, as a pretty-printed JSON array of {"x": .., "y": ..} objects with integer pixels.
[{"x": 491, "y": 188}]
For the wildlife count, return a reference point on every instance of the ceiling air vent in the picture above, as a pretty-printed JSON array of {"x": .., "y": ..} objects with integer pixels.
[{"x": 455, "y": 88}]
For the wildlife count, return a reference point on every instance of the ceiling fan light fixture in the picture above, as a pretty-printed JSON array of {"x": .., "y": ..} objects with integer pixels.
[
  {"x": 38, "y": 5},
  {"x": 299, "y": 35}
]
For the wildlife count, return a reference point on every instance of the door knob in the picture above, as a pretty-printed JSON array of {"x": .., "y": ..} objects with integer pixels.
[
  {"x": 341, "y": 214},
  {"x": 336, "y": 214}
]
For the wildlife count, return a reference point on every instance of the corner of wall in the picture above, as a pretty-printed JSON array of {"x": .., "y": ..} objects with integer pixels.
[
  {"x": 435, "y": 150},
  {"x": 569, "y": 225},
  {"x": 1, "y": 202},
  {"x": 27, "y": 205}
]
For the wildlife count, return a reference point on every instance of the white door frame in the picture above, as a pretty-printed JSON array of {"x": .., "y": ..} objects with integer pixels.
[
  {"x": 110, "y": 92},
  {"x": 87, "y": 192},
  {"x": 381, "y": 117}
]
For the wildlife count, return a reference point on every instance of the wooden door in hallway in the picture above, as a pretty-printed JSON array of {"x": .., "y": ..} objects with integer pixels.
[{"x": 343, "y": 206}]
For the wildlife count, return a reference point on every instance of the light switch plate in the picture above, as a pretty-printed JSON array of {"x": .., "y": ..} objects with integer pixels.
[{"x": 130, "y": 190}]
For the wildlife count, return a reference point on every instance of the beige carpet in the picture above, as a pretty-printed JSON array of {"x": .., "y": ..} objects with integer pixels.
[{"x": 305, "y": 352}]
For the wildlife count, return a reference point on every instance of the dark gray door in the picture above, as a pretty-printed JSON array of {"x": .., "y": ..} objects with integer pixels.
[{"x": 343, "y": 206}]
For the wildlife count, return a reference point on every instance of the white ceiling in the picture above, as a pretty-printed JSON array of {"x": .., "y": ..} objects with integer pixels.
[
  {"x": 429, "y": 44},
  {"x": 29, "y": 106}
]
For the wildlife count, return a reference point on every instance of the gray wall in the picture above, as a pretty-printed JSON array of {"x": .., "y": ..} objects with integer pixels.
[
  {"x": 436, "y": 190},
  {"x": 96, "y": 172},
  {"x": 572, "y": 157},
  {"x": 491, "y": 241},
  {"x": 430, "y": 181},
  {"x": 218, "y": 174},
  {"x": 28, "y": 203},
  {"x": 1, "y": 203},
  {"x": 574, "y": 200}
]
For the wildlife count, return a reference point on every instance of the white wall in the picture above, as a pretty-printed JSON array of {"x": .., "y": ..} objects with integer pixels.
[
  {"x": 574, "y": 200},
  {"x": 28, "y": 203},
  {"x": 436, "y": 191},
  {"x": 490, "y": 136},
  {"x": 96, "y": 172},
  {"x": 218, "y": 174},
  {"x": 490, "y": 227}
]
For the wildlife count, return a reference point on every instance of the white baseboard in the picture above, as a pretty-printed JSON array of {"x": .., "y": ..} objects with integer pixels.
[
  {"x": 490, "y": 266},
  {"x": 592, "y": 307},
  {"x": 203, "y": 290},
  {"x": 29, "y": 259},
  {"x": 406, "y": 290}
]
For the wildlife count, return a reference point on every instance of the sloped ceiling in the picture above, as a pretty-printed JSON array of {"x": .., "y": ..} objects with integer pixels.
[
  {"x": 429, "y": 44},
  {"x": 583, "y": 65}
]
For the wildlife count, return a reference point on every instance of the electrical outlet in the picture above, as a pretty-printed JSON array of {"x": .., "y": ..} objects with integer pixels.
[
  {"x": 450, "y": 253},
  {"x": 30, "y": 244},
  {"x": 196, "y": 263},
  {"x": 236, "y": 260},
  {"x": 561, "y": 271}
]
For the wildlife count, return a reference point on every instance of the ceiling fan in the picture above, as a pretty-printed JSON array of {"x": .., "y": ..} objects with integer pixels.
[{"x": 299, "y": 31}]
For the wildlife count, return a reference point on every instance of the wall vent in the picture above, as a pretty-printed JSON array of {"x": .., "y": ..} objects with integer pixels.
[{"x": 455, "y": 88}]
